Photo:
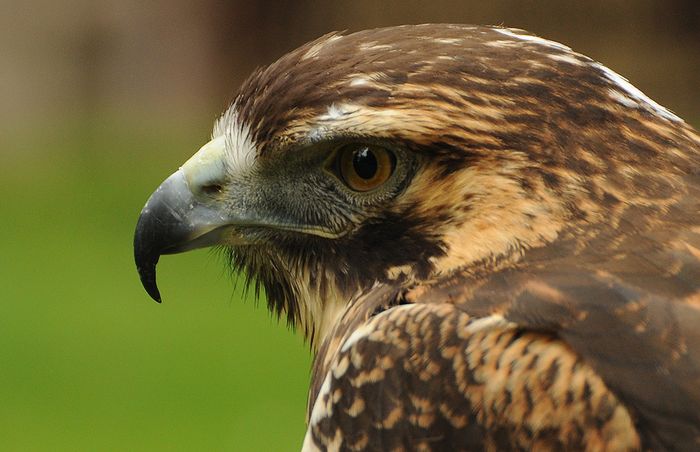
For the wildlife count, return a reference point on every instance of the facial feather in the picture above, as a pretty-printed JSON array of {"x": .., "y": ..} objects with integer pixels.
[{"x": 516, "y": 139}]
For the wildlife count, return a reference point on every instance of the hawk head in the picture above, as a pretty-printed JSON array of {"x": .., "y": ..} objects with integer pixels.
[{"x": 402, "y": 155}]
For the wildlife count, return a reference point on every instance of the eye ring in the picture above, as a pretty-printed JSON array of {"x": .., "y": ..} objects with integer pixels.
[{"x": 364, "y": 167}]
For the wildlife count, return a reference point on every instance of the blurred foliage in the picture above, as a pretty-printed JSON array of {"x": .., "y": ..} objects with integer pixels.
[{"x": 89, "y": 362}]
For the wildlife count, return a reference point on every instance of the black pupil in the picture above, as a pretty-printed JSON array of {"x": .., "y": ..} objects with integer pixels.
[{"x": 365, "y": 163}]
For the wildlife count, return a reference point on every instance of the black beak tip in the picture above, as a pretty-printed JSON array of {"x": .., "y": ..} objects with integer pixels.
[
  {"x": 146, "y": 257},
  {"x": 147, "y": 273}
]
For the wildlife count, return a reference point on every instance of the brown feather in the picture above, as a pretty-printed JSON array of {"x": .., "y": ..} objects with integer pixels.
[{"x": 551, "y": 197}]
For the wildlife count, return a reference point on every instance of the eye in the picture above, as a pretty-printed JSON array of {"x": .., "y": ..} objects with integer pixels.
[{"x": 364, "y": 167}]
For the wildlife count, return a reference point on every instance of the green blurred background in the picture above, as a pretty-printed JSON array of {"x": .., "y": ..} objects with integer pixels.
[{"x": 101, "y": 100}]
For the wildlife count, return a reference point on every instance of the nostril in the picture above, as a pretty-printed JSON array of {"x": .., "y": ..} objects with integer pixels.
[{"x": 211, "y": 189}]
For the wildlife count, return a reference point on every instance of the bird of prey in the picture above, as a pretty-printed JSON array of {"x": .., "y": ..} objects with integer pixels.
[{"x": 490, "y": 241}]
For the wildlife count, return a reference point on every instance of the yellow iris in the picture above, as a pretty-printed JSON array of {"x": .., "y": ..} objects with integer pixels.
[{"x": 364, "y": 167}]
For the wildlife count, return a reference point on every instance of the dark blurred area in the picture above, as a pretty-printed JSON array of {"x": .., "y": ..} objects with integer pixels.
[
  {"x": 100, "y": 100},
  {"x": 156, "y": 59}
]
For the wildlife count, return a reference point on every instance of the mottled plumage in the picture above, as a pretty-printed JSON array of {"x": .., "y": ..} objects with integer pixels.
[{"x": 528, "y": 277}]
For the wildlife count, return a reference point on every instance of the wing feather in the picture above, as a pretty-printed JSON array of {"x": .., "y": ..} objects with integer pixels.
[
  {"x": 626, "y": 299},
  {"x": 482, "y": 358},
  {"x": 430, "y": 377}
]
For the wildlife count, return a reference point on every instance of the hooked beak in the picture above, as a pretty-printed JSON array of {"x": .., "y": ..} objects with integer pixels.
[{"x": 179, "y": 216}]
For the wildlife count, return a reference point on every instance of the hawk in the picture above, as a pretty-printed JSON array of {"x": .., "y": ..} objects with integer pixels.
[{"x": 489, "y": 240}]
